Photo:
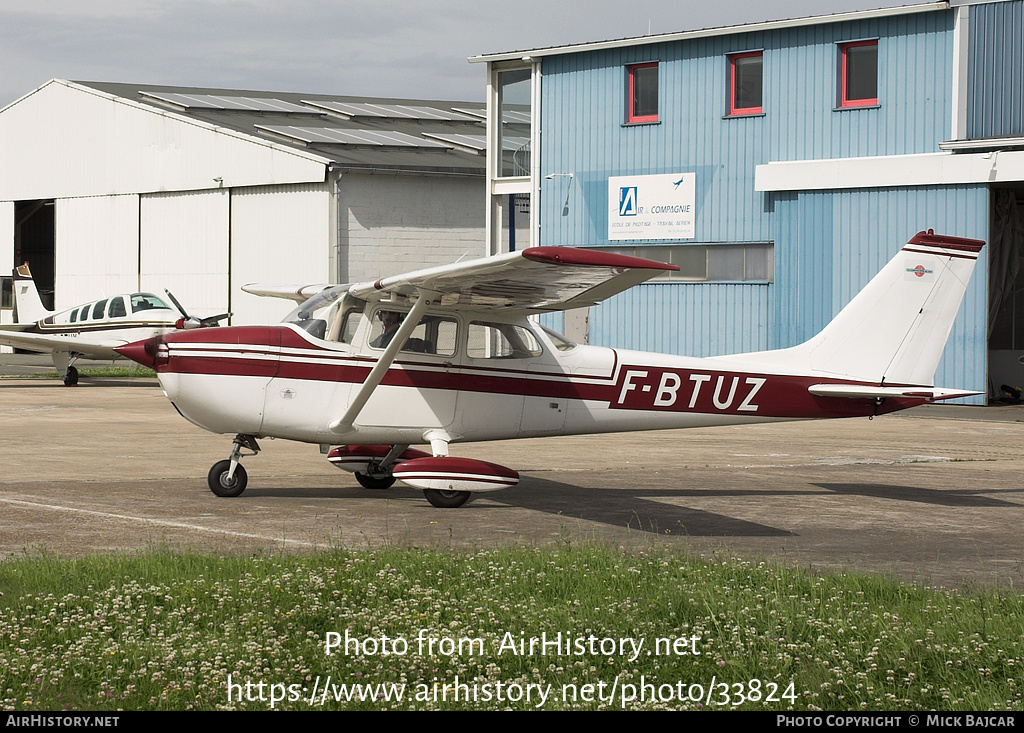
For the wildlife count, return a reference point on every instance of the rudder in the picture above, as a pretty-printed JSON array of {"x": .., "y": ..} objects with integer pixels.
[
  {"x": 894, "y": 330},
  {"x": 27, "y": 305}
]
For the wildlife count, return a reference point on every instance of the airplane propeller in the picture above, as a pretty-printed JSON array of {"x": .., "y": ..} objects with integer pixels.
[{"x": 189, "y": 322}]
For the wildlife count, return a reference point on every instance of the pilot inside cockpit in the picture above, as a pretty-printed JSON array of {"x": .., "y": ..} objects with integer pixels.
[{"x": 391, "y": 321}]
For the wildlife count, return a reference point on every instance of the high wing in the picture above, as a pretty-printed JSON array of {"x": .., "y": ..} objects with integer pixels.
[
  {"x": 298, "y": 293},
  {"x": 533, "y": 280},
  {"x": 48, "y": 343}
]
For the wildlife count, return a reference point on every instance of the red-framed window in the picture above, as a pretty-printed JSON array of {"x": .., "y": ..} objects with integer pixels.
[
  {"x": 642, "y": 101},
  {"x": 858, "y": 74},
  {"x": 746, "y": 83}
]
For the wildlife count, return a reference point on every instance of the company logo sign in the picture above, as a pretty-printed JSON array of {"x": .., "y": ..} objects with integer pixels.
[
  {"x": 652, "y": 207},
  {"x": 627, "y": 201}
]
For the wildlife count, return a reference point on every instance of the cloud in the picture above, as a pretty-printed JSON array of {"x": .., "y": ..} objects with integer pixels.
[{"x": 389, "y": 48}]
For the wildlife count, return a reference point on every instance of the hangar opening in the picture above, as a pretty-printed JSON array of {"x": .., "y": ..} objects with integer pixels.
[
  {"x": 34, "y": 238},
  {"x": 1006, "y": 293}
]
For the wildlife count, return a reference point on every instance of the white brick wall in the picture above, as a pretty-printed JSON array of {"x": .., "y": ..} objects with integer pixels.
[{"x": 392, "y": 224}]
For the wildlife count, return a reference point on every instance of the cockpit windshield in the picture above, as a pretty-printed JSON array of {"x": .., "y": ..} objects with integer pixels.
[
  {"x": 314, "y": 314},
  {"x": 147, "y": 301}
]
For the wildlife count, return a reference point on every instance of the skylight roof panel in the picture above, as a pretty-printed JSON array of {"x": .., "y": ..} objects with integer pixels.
[
  {"x": 335, "y": 136},
  {"x": 474, "y": 143}
]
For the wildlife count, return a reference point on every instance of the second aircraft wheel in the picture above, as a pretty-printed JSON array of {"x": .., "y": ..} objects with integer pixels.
[
  {"x": 374, "y": 482},
  {"x": 446, "y": 499}
]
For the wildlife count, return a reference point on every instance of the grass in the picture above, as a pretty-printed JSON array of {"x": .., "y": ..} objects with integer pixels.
[
  {"x": 165, "y": 630},
  {"x": 136, "y": 371}
]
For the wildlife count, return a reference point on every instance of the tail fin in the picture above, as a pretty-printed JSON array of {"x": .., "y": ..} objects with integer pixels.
[
  {"x": 27, "y": 305},
  {"x": 894, "y": 330}
]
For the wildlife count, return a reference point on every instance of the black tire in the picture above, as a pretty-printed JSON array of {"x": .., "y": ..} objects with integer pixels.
[
  {"x": 446, "y": 499},
  {"x": 71, "y": 377},
  {"x": 218, "y": 479},
  {"x": 375, "y": 482}
]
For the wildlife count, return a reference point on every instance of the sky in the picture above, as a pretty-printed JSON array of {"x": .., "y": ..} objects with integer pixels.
[{"x": 386, "y": 48}]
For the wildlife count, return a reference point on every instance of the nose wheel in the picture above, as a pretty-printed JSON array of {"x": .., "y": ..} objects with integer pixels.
[
  {"x": 228, "y": 478},
  {"x": 223, "y": 483}
]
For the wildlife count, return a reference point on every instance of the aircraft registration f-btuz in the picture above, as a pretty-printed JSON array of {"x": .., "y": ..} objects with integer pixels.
[
  {"x": 92, "y": 329},
  {"x": 449, "y": 354}
]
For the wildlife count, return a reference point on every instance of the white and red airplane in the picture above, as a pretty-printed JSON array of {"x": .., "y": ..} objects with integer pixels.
[
  {"x": 92, "y": 330},
  {"x": 450, "y": 354}
]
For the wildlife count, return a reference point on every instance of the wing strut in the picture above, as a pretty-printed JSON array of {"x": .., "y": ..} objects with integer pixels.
[{"x": 344, "y": 423}]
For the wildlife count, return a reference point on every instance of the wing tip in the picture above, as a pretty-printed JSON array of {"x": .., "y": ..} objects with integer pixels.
[{"x": 592, "y": 258}]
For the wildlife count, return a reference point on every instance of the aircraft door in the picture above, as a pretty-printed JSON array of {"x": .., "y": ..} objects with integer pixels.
[
  {"x": 497, "y": 379},
  {"x": 419, "y": 390}
]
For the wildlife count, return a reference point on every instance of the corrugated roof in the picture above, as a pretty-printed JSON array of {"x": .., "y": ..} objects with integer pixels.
[
  {"x": 717, "y": 31},
  {"x": 357, "y": 133}
]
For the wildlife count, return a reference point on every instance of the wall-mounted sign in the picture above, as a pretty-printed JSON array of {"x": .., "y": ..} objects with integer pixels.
[{"x": 652, "y": 207}]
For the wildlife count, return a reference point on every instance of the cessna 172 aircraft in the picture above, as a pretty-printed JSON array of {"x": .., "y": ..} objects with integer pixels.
[
  {"x": 449, "y": 354},
  {"x": 92, "y": 329}
]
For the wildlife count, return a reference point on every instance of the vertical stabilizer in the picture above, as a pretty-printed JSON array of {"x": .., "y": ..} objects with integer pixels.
[
  {"x": 27, "y": 305},
  {"x": 893, "y": 332}
]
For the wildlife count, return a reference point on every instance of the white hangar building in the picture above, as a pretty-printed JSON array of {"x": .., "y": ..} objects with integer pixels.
[{"x": 108, "y": 188}]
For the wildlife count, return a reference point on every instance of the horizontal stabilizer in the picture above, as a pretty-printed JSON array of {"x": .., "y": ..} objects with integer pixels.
[{"x": 856, "y": 391}]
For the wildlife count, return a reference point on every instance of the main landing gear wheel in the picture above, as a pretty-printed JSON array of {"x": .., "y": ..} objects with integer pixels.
[
  {"x": 374, "y": 482},
  {"x": 446, "y": 499},
  {"x": 71, "y": 377},
  {"x": 219, "y": 482}
]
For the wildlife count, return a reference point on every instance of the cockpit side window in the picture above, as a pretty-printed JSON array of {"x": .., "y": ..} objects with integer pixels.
[
  {"x": 116, "y": 308},
  {"x": 501, "y": 341},
  {"x": 98, "y": 309},
  {"x": 350, "y": 324},
  {"x": 433, "y": 334},
  {"x": 147, "y": 301}
]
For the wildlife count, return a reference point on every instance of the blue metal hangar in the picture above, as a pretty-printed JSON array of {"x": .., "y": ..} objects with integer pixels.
[{"x": 780, "y": 165}]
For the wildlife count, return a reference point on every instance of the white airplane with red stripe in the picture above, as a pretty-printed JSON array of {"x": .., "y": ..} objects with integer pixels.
[{"x": 451, "y": 354}]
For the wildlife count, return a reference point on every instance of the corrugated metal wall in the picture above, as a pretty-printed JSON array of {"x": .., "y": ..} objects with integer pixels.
[
  {"x": 184, "y": 247},
  {"x": 279, "y": 232},
  {"x": 6, "y": 255},
  {"x": 829, "y": 244},
  {"x": 7, "y": 232},
  {"x": 583, "y": 111},
  {"x": 996, "y": 70},
  {"x": 692, "y": 319},
  {"x": 97, "y": 248}
]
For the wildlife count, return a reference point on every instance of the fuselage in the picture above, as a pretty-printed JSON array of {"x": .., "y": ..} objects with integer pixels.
[
  {"x": 96, "y": 329},
  {"x": 473, "y": 376}
]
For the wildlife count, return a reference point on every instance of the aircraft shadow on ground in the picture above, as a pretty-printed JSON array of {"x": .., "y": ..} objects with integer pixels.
[
  {"x": 639, "y": 509},
  {"x": 632, "y": 508},
  {"x": 616, "y": 507},
  {"x": 939, "y": 497}
]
